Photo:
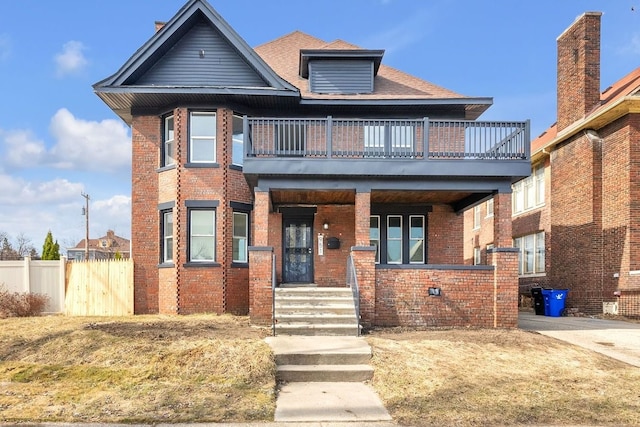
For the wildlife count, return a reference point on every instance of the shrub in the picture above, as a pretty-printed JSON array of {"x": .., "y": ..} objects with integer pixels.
[{"x": 21, "y": 304}]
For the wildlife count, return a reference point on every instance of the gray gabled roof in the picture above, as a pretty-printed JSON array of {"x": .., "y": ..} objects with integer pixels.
[{"x": 122, "y": 91}]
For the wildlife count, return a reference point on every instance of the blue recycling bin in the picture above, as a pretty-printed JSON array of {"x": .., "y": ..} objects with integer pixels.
[{"x": 554, "y": 301}]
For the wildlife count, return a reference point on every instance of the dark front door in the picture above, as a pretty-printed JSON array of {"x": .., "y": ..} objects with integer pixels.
[{"x": 298, "y": 250}]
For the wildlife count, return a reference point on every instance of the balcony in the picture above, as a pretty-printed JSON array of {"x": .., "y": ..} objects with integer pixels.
[{"x": 419, "y": 147}]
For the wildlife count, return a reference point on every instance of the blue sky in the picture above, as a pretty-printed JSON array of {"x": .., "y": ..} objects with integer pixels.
[{"x": 58, "y": 139}]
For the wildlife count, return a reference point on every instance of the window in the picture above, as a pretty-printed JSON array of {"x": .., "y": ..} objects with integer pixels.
[
  {"x": 237, "y": 147},
  {"x": 389, "y": 139},
  {"x": 416, "y": 239},
  {"x": 476, "y": 216},
  {"x": 240, "y": 236},
  {"x": 374, "y": 235},
  {"x": 394, "y": 239},
  {"x": 167, "y": 236},
  {"x": 169, "y": 143},
  {"x": 528, "y": 193},
  {"x": 477, "y": 256},
  {"x": 399, "y": 238},
  {"x": 202, "y": 148},
  {"x": 531, "y": 255},
  {"x": 489, "y": 208},
  {"x": 202, "y": 235}
]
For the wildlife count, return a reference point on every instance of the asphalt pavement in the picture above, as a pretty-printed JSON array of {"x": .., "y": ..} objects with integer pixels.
[{"x": 614, "y": 338}]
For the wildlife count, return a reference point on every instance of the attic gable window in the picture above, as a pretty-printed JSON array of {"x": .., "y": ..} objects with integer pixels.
[{"x": 349, "y": 71}]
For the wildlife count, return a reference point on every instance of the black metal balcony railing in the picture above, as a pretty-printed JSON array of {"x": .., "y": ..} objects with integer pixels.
[{"x": 401, "y": 139}]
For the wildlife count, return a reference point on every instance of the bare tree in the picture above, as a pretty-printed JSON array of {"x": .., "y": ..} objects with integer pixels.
[{"x": 24, "y": 246}]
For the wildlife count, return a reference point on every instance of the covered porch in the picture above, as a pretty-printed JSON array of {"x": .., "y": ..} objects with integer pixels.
[{"x": 401, "y": 252}]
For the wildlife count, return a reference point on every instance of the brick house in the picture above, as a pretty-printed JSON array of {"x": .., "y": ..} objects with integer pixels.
[
  {"x": 109, "y": 246},
  {"x": 575, "y": 218},
  {"x": 303, "y": 162}
]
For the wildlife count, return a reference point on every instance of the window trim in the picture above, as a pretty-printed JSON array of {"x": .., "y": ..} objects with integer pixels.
[
  {"x": 165, "y": 142},
  {"x": 489, "y": 202},
  {"x": 477, "y": 217},
  {"x": 378, "y": 240},
  {"x": 383, "y": 212},
  {"x": 246, "y": 238},
  {"x": 190, "y": 211},
  {"x": 527, "y": 192},
  {"x": 203, "y": 163},
  {"x": 164, "y": 259},
  {"x": 423, "y": 238},
  {"x": 537, "y": 269},
  {"x": 233, "y": 139}
]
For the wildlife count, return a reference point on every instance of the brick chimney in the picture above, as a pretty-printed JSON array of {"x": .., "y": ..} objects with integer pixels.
[
  {"x": 159, "y": 25},
  {"x": 578, "y": 69}
]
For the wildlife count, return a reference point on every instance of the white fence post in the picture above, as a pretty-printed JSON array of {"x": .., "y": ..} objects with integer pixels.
[{"x": 26, "y": 275}]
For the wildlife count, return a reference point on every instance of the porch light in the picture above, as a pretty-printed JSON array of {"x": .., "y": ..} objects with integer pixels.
[{"x": 325, "y": 225}]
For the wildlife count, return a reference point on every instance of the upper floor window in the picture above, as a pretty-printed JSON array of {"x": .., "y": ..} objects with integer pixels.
[
  {"x": 390, "y": 139},
  {"x": 168, "y": 146},
  {"x": 528, "y": 193},
  {"x": 489, "y": 208},
  {"x": 477, "y": 214},
  {"x": 237, "y": 148},
  {"x": 202, "y": 143}
]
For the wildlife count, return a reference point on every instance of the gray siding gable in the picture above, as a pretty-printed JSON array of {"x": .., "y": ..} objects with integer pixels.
[
  {"x": 341, "y": 76},
  {"x": 202, "y": 57}
]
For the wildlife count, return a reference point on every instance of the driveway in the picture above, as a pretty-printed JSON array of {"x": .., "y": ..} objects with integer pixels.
[{"x": 613, "y": 338}]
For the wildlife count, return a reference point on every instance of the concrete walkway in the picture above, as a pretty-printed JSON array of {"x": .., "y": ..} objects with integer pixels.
[
  {"x": 616, "y": 339},
  {"x": 326, "y": 401}
]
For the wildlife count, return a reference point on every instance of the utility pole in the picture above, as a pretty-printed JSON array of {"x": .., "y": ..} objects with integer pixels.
[{"x": 85, "y": 212}]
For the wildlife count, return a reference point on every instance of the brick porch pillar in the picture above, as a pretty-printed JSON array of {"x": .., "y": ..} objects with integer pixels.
[
  {"x": 260, "y": 264},
  {"x": 364, "y": 260},
  {"x": 504, "y": 257}
]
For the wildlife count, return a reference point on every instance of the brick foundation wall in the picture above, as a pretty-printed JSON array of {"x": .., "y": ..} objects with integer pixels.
[
  {"x": 260, "y": 289},
  {"x": 629, "y": 304},
  {"x": 237, "y": 291},
  {"x": 466, "y": 297}
]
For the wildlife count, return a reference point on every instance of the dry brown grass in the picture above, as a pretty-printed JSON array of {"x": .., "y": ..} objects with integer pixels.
[
  {"x": 135, "y": 369},
  {"x": 499, "y": 377}
]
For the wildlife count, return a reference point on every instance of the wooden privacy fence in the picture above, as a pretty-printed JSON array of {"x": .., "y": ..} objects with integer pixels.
[{"x": 99, "y": 288}]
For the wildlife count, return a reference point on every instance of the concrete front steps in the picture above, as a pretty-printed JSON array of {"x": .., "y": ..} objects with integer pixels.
[
  {"x": 311, "y": 310},
  {"x": 321, "y": 358}
]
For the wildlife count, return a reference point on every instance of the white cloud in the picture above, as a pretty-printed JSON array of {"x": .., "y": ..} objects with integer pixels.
[
  {"x": 5, "y": 47},
  {"x": 112, "y": 214},
  {"x": 18, "y": 191},
  {"x": 23, "y": 149},
  {"x": 71, "y": 60},
  {"x": 103, "y": 146}
]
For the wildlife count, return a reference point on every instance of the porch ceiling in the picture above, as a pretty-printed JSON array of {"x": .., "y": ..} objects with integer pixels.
[{"x": 345, "y": 197}]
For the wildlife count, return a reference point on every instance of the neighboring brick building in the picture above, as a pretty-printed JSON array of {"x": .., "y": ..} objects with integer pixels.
[
  {"x": 579, "y": 226},
  {"x": 299, "y": 159},
  {"x": 108, "y": 246}
]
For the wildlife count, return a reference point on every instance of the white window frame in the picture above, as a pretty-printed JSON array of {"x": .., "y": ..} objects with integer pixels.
[
  {"x": 237, "y": 141},
  {"x": 529, "y": 193},
  {"x": 477, "y": 217},
  {"x": 167, "y": 236},
  {"x": 193, "y": 236},
  {"x": 240, "y": 241},
  {"x": 193, "y": 139},
  {"x": 477, "y": 256},
  {"x": 168, "y": 146},
  {"x": 489, "y": 208},
  {"x": 531, "y": 254}
]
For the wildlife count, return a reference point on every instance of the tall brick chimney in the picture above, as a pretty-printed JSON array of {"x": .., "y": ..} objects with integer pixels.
[{"x": 578, "y": 69}]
